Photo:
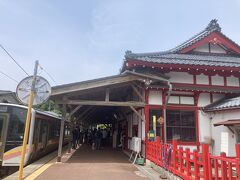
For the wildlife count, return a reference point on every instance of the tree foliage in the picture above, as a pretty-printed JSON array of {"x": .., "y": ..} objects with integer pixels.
[{"x": 49, "y": 106}]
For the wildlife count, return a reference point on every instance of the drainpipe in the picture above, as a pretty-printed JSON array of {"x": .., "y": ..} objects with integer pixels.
[{"x": 165, "y": 109}]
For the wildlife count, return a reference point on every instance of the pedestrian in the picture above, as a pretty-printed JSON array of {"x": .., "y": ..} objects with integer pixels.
[
  {"x": 78, "y": 135},
  {"x": 74, "y": 137},
  {"x": 85, "y": 137},
  {"x": 94, "y": 139},
  {"x": 104, "y": 137},
  {"x": 98, "y": 139}
]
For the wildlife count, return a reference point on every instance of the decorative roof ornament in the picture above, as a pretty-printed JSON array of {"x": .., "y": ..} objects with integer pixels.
[
  {"x": 213, "y": 26},
  {"x": 128, "y": 52}
]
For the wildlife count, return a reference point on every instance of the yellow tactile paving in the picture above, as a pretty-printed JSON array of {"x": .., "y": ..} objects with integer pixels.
[{"x": 40, "y": 170}]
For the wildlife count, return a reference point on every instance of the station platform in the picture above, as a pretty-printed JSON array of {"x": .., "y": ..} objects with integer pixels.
[{"x": 88, "y": 164}]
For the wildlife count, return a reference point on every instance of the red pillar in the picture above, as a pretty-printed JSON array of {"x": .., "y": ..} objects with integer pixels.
[
  {"x": 238, "y": 160},
  {"x": 205, "y": 152}
]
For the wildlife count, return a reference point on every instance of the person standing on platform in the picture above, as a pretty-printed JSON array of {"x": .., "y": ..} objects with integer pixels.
[
  {"x": 74, "y": 137},
  {"x": 104, "y": 139},
  {"x": 94, "y": 139},
  {"x": 98, "y": 139}
]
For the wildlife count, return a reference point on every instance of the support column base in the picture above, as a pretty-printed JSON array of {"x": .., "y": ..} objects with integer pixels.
[{"x": 59, "y": 158}]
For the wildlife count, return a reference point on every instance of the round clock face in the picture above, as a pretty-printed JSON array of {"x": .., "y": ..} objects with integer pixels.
[{"x": 41, "y": 93}]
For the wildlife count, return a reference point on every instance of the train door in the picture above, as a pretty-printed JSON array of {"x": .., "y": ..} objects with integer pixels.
[
  {"x": 37, "y": 135},
  {"x": 3, "y": 132},
  {"x": 44, "y": 134}
]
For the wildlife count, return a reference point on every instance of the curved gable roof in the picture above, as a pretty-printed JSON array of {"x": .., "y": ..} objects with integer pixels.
[{"x": 178, "y": 55}]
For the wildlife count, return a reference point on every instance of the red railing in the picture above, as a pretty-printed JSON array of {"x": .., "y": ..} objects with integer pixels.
[{"x": 194, "y": 165}]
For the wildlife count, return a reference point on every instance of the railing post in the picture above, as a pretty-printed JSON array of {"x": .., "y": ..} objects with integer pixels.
[
  {"x": 174, "y": 154},
  {"x": 237, "y": 146},
  {"x": 158, "y": 152},
  {"x": 205, "y": 152},
  {"x": 196, "y": 167},
  {"x": 223, "y": 166},
  {"x": 147, "y": 149},
  {"x": 181, "y": 159},
  {"x": 188, "y": 165},
  {"x": 210, "y": 166}
]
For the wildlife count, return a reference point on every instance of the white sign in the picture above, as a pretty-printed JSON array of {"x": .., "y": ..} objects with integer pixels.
[{"x": 135, "y": 144}]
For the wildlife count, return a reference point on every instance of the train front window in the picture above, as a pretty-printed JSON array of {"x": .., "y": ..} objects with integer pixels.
[{"x": 16, "y": 124}]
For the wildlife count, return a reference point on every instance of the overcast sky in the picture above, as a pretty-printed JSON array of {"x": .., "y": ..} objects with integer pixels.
[{"x": 81, "y": 40}]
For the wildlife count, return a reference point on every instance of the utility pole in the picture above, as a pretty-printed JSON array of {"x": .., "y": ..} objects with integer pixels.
[{"x": 28, "y": 120}]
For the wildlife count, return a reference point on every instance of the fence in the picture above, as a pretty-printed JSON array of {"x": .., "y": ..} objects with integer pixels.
[{"x": 194, "y": 165}]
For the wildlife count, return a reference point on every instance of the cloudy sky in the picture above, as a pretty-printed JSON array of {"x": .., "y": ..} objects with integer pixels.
[{"x": 81, "y": 40}]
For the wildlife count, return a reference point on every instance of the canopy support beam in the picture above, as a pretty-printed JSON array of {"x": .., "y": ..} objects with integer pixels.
[
  {"x": 138, "y": 93},
  {"x": 137, "y": 113},
  {"x": 74, "y": 110},
  {"x": 102, "y": 103},
  {"x": 59, "y": 158}
]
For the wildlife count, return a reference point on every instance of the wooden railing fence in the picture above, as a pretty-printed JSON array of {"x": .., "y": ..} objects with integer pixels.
[{"x": 194, "y": 165}]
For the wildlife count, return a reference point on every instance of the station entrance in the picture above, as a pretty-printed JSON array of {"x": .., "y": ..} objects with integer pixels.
[{"x": 107, "y": 102}]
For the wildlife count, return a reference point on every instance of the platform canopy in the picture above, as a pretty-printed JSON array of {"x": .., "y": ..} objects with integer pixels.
[{"x": 105, "y": 98}]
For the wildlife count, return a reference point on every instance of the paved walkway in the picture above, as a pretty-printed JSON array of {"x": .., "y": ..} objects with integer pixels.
[{"x": 90, "y": 164}]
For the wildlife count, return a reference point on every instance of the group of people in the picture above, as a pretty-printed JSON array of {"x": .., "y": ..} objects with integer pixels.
[{"x": 97, "y": 138}]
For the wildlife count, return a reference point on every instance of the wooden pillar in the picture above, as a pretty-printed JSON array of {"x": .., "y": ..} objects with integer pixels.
[
  {"x": 61, "y": 133},
  {"x": 69, "y": 139}
]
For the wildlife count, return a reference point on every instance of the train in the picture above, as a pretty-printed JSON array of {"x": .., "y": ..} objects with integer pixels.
[{"x": 43, "y": 136}]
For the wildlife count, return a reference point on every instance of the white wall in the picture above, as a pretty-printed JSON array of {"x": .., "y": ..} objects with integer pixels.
[
  {"x": 204, "y": 99},
  {"x": 232, "y": 81},
  {"x": 180, "y": 77},
  {"x": 217, "y": 49},
  {"x": 214, "y": 48},
  {"x": 155, "y": 97},
  {"x": 174, "y": 100},
  {"x": 202, "y": 79},
  {"x": 204, "y": 127},
  {"x": 203, "y": 48},
  {"x": 187, "y": 100},
  {"x": 224, "y": 139},
  {"x": 217, "y": 80}
]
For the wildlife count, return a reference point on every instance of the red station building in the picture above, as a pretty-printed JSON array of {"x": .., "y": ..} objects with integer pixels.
[{"x": 203, "y": 73}]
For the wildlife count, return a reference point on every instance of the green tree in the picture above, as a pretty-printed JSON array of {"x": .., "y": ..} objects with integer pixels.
[{"x": 49, "y": 106}]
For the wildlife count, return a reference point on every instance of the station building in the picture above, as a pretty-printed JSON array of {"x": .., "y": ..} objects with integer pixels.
[{"x": 188, "y": 93}]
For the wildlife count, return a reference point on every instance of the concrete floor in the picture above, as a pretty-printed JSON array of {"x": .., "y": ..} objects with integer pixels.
[{"x": 90, "y": 164}]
